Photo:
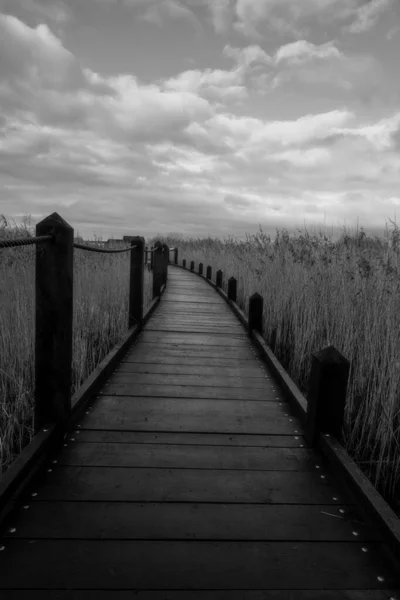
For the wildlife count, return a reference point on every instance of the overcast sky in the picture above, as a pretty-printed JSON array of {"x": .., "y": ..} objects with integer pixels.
[{"x": 200, "y": 116}]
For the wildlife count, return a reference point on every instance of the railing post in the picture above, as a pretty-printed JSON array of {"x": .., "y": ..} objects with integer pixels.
[
  {"x": 157, "y": 269},
  {"x": 218, "y": 280},
  {"x": 166, "y": 260},
  {"x": 256, "y": 304},
  {"x": 136, "y": 281},
  {"x": 151, "y": 259},
  {"x": 201, "y": 269},
  {"x": 209, "y": 272},
  {"x": 326, "y": 398},
  {"x": 192, "y": 265},
  {"x": 184, "y": 263},
  {"x": 176, "y": 256},
  {"x": 232, "y": 289},
  {"x": 54, "y": 314}
]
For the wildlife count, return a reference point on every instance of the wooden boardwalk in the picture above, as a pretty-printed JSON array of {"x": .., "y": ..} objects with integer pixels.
[{"x": 189, "y": 479}]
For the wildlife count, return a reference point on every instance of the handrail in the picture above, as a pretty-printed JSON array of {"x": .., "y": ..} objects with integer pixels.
[{"x": 54, "y": 308}]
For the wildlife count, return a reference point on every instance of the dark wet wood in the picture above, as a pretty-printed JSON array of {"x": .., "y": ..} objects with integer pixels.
[
  {"x": 163, "y": 565},
  {"x": 193, "y": 482},
  {"x": 190, "y": 415},
  {"x": 382, "y": 594},
  {"x": 170, "y": 521},
  {"x": 188, "y": 380},
  {"x": 200, "y": 370}
]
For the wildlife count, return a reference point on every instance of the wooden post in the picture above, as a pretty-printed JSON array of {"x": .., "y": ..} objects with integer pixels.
[
  {"x": 176, "y": 256},
  {"x": 184, "y": 263},
  {"x": 256, "y": 304},
  {"x": 166, "y": 259},
  {"x": 151, "y": 259},
  {"x": 201, "y": 269},
  {"x": 54, "y": 313},
  {"x": 232, "y": 289},
  {"x": 146, "y": 256},
  {"x": 209, "y": 272},
  {"x": 327, "y": 389},
  {"x": 192, "y": 265},
  {"x": 157, "y": 269},
  {"x": 136, "y": 281},
  {"x": 218, "y": 280}
]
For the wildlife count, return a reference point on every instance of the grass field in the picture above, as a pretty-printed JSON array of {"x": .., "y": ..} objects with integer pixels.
[
  {"x": 319, "y": 292},
  {"x": 101, "y": 287},
  {"x": 316, "y": 291}
]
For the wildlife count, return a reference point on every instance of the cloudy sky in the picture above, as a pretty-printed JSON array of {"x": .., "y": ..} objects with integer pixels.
[{"x": 200, "y": 116}]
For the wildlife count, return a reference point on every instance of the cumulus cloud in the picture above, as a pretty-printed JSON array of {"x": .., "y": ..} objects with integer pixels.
[
  {"x": 367, "y": 14},
  {"x": 252, "y": 17},
  {"x": 175, "y": 148},
  {"x": 303, "y": 51},
  {"x": 221, "y": 11},
  {"x": 160, "y": 12}
]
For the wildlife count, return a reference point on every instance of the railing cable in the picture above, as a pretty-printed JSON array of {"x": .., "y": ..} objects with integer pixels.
[
  {"x": 26, "y": 241},
  {"x": 103, "y": 250}
]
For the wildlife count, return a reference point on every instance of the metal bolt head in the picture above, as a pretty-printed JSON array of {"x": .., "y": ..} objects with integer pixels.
[
  {"x": 364, "y": 549},
  {"x": 34, "y": 494},
  {"x": 12, "y": 530},
  {"x": 380, "y": 578}
]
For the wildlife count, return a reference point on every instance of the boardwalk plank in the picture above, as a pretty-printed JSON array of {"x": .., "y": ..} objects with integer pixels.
[
  {"x": 148, "y": 349},
  {"x": 152, "y": 521},
  {"x": 234, "y": 340},
  {"x": 364, "y": 594},
  {"x": 129, "y": 484},
  {"x": 184, "y": 391},
  {"x": 123, "y": 564},
  {"x": 183, "y": 457},
  {"x": 198, "y": 369},
  {"x": 188, "y": 380},
  {"x": 182, "y": 359},
  {"x": 208, "y": 439},
  {"x": 208, "y": 416}
]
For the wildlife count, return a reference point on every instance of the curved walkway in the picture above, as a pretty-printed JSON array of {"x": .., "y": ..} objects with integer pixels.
[{"x": 190, "y": 480}]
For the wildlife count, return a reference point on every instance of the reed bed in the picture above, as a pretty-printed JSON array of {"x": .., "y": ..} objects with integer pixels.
[
  {"x": 319, "y": 292},
  {"x": 101, "y": 287}
]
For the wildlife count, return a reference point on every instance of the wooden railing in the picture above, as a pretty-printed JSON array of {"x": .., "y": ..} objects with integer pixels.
[
  {"x": 54, "y": 307},
  {"x": 322, "y": 412},
  {"x": 327, "y": 385}
]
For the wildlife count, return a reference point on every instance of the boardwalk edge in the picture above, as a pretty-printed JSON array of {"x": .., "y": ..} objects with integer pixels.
[{"x": 374, "y": 507}]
